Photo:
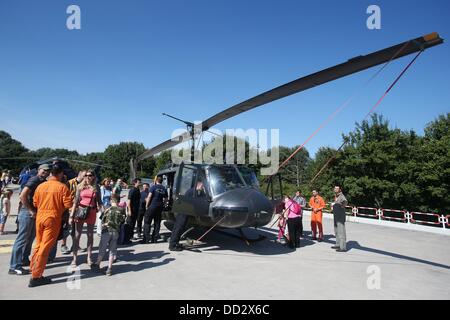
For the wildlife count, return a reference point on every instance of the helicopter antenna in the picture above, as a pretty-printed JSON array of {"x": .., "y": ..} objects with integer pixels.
[{"x": 190, "y": 126}]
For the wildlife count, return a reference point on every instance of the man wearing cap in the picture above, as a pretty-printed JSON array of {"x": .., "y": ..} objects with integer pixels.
[{"x": 27, "y": 221}]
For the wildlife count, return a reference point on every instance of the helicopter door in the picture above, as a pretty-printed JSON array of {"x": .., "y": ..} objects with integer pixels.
[
  {"x": 185, "y": 181},
  {"x": 200, "y": 197},
  {"x": 275, "y": 193}
]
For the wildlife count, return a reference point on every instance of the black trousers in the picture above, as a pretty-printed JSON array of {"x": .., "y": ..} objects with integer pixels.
[
  {"x": 131, "y": 223},
  {"x": 294, "y": 226},
  {"x": 140, "y": 218},
  {"x": 301, "y": 226},
  {"x": 178, "y": 229},
  {"x": 152, "y": 214}
]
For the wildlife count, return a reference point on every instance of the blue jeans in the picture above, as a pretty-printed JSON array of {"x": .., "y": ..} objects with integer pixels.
[
  {"x": 22, "y": 246},
  {"x": 52, "y": 254}
]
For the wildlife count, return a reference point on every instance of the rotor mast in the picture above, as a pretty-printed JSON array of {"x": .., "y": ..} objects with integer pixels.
[{"x": 190, "y": 127}]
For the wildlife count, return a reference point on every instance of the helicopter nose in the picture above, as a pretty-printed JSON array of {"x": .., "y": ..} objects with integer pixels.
[{"x": 242, "y": 208}]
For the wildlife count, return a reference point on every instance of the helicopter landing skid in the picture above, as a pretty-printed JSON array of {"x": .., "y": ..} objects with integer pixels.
[
  {"x": 242, "y": 236},
  {"x": 183, "y": 236}
]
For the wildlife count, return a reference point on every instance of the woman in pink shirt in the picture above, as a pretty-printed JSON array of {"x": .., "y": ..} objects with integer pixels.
[
  {"x": 293, "y": 213},
  {"x": 87, "y": 195}
]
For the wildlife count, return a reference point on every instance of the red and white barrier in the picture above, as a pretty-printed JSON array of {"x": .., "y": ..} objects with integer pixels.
[
  {"x": 434, "y": 223},
  {"x": 403, "y": 216},
  {"x": 375, "y": 213},
  {"x": 403, "y": 213}
]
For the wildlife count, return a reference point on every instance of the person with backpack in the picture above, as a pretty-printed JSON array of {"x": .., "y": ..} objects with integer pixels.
[{"x": 293, "y": 213}]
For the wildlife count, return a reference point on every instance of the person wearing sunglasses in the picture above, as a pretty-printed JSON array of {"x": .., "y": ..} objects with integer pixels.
[{"x": 87, "y": 195}]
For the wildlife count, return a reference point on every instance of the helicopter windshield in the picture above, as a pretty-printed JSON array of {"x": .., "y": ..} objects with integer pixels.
[
  {"x": 223, "y": 179},
  {"x": 249, "y": 176}
]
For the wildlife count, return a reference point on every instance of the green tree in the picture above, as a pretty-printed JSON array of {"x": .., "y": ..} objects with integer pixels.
[
  {"x": 118, "y": 156},
  {"x": 432, "y": 174},
  {"x": 326, "y": 180},
  {"x": 12, "y": 153},
  {"x": 161, "y": 161},
  {"x": 46, "y": 153}
]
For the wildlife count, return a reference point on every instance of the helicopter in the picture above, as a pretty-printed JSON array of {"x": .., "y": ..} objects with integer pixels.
[{"x": 232, "y": 198}]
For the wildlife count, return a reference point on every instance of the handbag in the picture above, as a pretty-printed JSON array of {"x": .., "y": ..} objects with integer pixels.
[{"x": 82, "y": 212}]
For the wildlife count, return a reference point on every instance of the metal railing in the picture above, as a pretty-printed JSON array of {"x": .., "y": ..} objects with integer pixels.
[{"x": 402, "y": 216}]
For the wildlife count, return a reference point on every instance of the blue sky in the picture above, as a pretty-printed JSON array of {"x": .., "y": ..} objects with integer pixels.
[{"x": 132, "y": 60}]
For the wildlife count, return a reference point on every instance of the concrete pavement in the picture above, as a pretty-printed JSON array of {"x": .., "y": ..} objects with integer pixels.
[{"x": 382, "y": 263}]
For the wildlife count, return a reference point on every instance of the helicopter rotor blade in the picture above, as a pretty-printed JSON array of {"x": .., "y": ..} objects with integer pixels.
[
  {"x": 353, "y": 65},
  {"x": 86, "y": 162},
  {"x": 39, "y": 159}
]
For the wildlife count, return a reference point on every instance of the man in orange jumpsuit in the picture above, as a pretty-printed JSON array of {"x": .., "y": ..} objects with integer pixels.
[
  {"x": 51, "y": 199},
  {"x": 317, "y": 204}
]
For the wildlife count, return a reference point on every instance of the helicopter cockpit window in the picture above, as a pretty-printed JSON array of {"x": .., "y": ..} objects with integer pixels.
[
  {"x": 249, "y": 177},
  {"x": 188, "y": 179},
  {"x": 199, "y": 190},
  {"x": 223, "y": 179}
]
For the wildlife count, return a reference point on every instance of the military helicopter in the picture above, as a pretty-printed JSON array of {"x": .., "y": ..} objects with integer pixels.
[{"x": 231, "y": 197}]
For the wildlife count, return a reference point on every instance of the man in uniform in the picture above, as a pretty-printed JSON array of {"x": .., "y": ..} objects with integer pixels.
[
  {"x": 317, "y": 204},
  {"x": 134, "y": 199},
  {"x": 154, "y": 207},
  {"x": 51, "y": 199}
]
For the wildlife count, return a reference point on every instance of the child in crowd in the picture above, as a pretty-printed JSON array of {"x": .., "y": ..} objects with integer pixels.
[
  {"x": 5, "y": 208},
  {"x": 281, "y": 227},
  {"x": 112, "y": 218}
]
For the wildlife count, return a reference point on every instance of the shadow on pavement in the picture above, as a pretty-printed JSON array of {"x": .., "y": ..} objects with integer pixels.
[
  {"x": 355, "y": 245},
  {"x": 230, "y": 239},
  {"x": 126, "y": 256}
]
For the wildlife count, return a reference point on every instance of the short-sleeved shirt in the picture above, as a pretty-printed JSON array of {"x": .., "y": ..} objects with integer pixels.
[
  {"x": 301, "y": 201},
  {"x": 106, "y": 196},
  {"x": 159, "y": 192},
  {"x": 339, "y": 204},
  {"x": 134, "y": 195},
  {"x": 24, "y": 179},
  {"x": 3, "y": 205},
  {"x": 144, "y": 195},
  {"x": 117, "y": 190},
  {"x": 32, "y": 184},
  {"x": 113, "y": 217}
]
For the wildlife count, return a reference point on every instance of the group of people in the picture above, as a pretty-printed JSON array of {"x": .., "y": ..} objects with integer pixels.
[
  {"x": 52, "y": 209},
  {"x": 290, "y": 221}
]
